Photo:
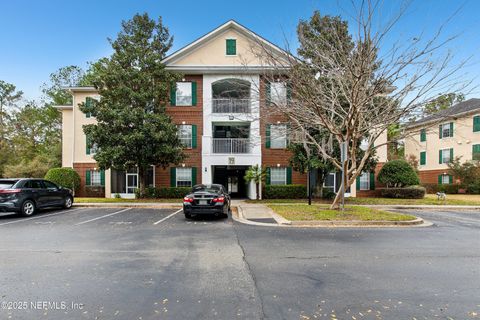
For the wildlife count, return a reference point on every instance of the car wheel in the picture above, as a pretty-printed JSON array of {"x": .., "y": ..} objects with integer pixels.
[
  {"x": 28, "y": 208},
  {"x": 67, "y": 204},
  {"x": 188, "y": 216}
]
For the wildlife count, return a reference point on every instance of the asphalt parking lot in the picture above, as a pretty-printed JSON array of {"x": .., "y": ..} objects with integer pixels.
[{"x": 121, "y": 263}]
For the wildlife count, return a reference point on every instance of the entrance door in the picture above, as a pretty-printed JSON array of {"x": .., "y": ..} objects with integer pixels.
[{"x": 132, "y": 182}]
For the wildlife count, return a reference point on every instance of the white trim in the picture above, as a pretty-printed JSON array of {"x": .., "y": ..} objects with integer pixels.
[{"x": 63, "y": 107}]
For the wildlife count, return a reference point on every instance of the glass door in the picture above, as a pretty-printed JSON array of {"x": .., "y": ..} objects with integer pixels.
[{"x": 132, "y": 182}]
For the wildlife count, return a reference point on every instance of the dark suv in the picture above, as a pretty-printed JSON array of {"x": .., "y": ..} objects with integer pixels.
[{"x": 27, "y": 195}]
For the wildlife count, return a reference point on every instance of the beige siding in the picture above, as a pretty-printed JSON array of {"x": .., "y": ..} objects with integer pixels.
[
  {"x": 461, "y": 142},
  {"x": 80, "y": 155},
  {"x": 67, "y": 138}
]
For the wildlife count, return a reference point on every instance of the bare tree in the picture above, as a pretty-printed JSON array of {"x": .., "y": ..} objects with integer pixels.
[{"x": 352, "y": 86}]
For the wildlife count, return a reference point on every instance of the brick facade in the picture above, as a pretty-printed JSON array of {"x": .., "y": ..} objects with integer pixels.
[
  {"x": 372, "y": 193},
  {"x": 84, "y": 190}
]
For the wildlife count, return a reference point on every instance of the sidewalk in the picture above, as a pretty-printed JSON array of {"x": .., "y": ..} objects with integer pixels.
[{"x": 258, "y": 214}]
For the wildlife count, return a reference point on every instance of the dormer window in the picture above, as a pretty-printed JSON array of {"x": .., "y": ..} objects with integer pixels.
[{"x": 231, "y": 47}]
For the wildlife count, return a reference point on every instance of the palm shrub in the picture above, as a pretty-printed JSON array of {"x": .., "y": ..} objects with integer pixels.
[
  {"x": 65, "y": 177},
  {"x": 398, "y": 174},
  {"x": 257, "y": 175}
]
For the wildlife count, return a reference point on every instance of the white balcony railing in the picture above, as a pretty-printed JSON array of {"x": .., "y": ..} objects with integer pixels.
[
  {"x": 230, "y": 105},
  {"x": 230, "y": 145}
]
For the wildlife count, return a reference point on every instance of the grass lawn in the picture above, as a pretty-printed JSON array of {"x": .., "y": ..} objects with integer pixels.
[
  {"x": 430, "y": 199},
  {"x": 305, "y": 212},
  {"x": 116, "y": 200}
]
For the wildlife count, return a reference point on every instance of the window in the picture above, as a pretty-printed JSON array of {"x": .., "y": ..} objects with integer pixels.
[
  {"x": 278, "y": 136},
  {"x": 365, "y": 181},
  {"x": 329, "y": 182},
  {"x": 184, "y": 94},
  {"x": 91, "y": 148},
  {"x": 34, "y": 184},
  {"x": 278, "y": 93},
  {"x": 445, "y": 179},
  {"x": 476, "y": 152},
  {"x": 50, "y": 185},
  {"x": 423, "y": 135},
  {"x": 278, "y": 176},
  {"x": 88, "y": 104},
  {"x": 184, "y": 177},
  {"x": 445, "y": 155},
  {"x": 446, "y": 130},
  {"x": 185, "y": 135},
  {"x": 423, "y": 158},
  {"x": 231, "y": 47},
  {"x": 95, "y": 178},
  {"x": 476, "y": 124}
]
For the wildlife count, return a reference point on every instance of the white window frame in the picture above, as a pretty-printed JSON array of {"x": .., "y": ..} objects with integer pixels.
[
  {"x": 183, "y": 179},
  {"x": 446, "y": 127},
  {"x": 184, "y": 95},
  {"x": 445, "y": 177},
  {"x": 278, "y": 93},
  {"x": 278, "y": 140},
  {"x": 334, "y": 181},
  {"x": 95, "y": 178},
  {"x": 365, "y": 180},
  {"x": 278, "y": 181},
  {"x": 187, "y": 140},
  {"x": 447, "y": 151}
]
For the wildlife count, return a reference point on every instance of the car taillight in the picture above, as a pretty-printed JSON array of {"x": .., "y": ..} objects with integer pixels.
[
  {"x": 219, "y": 199},
  {"x": 187, "y": 199},
  {"x": 10, "y": 190}
]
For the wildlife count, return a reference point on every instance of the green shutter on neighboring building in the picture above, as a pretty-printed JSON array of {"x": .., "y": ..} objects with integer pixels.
[
  {"x": 358, "y": 183},
  {"x": 423, "y": 135},
  {"x": 194, "y": 136},
  {"x": 87, "y": 144},
  {"x": 451, "y": 154},
  {"x": 476, "y": 152},
  {"x": 423, "y": 158},
  {"x": 194, "y": 93},
  {"x": 231, "y": 47},
  {"x": 173, "y": 94},
  {"x": 289, "y": 175},
  {"x": 267, "y": 178},
  {"x": 173, "y": 177},
  {"x": 88, "y": 180},
  {"x": 476, "y": 123},
  {"x": 440, "y": 131},
  {"x": 450, "y": 179},
  {"x": 267, "y": 136},
  {"x": 372, "y": 180},
  {"x": 451, "y": 129},
  {"x": 439, "y": 179},
  {"x": 440, "y": 156},
  {"x": 194, "y": 176},
  {"x": 102, "y": 177}
]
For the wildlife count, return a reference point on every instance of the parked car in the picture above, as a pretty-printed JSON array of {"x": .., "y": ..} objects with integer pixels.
[
  {"x": 206, "y": 199},
  {"x": 27, "y": 195}
]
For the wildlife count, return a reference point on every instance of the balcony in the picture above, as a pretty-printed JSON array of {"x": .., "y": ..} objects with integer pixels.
[
  {"x": 231, "y": 145},
  {"x": 230, "y": 105}
]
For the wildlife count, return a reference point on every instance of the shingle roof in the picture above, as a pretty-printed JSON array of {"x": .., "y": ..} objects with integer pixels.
[{"x": 460, "y": 108}]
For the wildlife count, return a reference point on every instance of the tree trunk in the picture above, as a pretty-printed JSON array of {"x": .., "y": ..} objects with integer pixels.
[
  {"x": 141, "y": 181},
  {"x": 338, "y": 198}
]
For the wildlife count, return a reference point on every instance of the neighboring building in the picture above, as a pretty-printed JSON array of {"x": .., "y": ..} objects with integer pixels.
[
  {"x": 223, "y": 124},
  {"x": 435, "y": 140}
]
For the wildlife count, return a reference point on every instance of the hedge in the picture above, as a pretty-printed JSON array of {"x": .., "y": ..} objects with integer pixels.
[
  {"x": 447, "y": 188},
  {"x": 413, "y": 192},
  {"x": 289, "y": 191},
  {"x": 65, "y": 177},
  {"x": 164, "y": 193}
]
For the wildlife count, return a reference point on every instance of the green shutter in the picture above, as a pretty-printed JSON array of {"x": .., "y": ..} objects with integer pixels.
[
  {"x": 194, "y": 136},
  {"x": 476, "y": 152},
  {"x": 88, "y": 181},
  {"x": 267, "y": 180},
  {"x": 423, "y": 158},
  {"x": 194, "y": 93},
  {"x": 268, "y": 94},
  {"x": 423, "y": 135},
  {"x": 88, "y": 104},
  {"x": 451, "y": 154},
  {"x": 102, "y": 177},
  {"x": 372, "y": 180},
  {"x": 450, "y": 179},
  {"x": 289, "y": 175},
  {"x": 476, "y": 123},
  {"x": 451, "y": 129},
  {"x": 173, "y": 94},
  {"x": 439, "y": 179},
  {"x": 194, "y": 176},
  {"x": 173, "y": 177},
  {"x": 231, "y": 47},
  {"x": 267, "y": 136},
  {"x": 87, "y": 144},
  {"x": 440, "y": 156},
  {"x": 440, "y": 131},
  {"x": 358, "y": 183}
]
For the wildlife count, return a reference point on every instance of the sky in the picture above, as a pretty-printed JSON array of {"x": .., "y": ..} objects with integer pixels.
[{"x": 39, "y": 37}]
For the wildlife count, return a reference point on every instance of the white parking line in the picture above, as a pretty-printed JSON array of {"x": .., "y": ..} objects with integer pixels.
[
  {"x": 170, "y": 215},
  {"x": 101, "y": 217},
  {"x": 39, "y": 217}
]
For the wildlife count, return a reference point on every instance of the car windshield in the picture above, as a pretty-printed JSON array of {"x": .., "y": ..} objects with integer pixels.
[
  {"x": 6, "y": 184},
  {"x": 207, "y": 188}
]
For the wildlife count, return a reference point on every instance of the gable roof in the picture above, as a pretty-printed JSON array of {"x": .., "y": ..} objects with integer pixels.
[
  {"x": 231, "y": 24},
  {"x": 460, "y": 109}
]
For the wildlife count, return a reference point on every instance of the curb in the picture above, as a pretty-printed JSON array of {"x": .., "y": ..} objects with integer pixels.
[
  {"x": 340, "y": 223},
  {"x": 128, "y": 205}
]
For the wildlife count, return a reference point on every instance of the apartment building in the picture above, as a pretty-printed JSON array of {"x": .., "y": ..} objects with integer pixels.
[
  {"x": 223, "y": 122},
  {"x": 439, "y": 138}
]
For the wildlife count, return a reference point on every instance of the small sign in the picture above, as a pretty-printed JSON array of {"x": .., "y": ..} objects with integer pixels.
[{"x": 231, "y": 160}]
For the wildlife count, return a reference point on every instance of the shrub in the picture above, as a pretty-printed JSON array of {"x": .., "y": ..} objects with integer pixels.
[
  {"x": 289, "y": 191},
  {"x": 398, "y": 173},
  {"x": 413, "y": 192},
  {"x": 474, "y": 188},
  {"x": 431, "y": 187},
  {"x": 163, "y": 193},
  {"x": 328, "y": 194},
  {"x": 95, "y": 191},
  {"x": 449, "y": 188},
  {"x": 65, "y": 177}
]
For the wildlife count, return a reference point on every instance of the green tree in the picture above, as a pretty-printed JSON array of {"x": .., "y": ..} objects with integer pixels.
[
  {"x": 68, "y": 76},
  {"x": 443, "y": 102},
  {"x": 257, "y": 175},
  {"x": 132, "y": 127},
  {"x": 397, "y": 174}
]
